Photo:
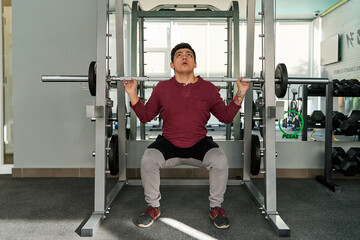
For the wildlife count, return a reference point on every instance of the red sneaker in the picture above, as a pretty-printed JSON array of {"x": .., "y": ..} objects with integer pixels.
[
  {"x": 218, "y": 215},
  {"x": 147, "y": 217}
]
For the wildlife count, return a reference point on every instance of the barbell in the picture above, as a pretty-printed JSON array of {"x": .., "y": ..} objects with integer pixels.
[{"x": 281, "y": 79}]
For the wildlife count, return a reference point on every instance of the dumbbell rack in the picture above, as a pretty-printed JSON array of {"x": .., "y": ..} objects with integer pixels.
[{"x": 326, "y": 179}]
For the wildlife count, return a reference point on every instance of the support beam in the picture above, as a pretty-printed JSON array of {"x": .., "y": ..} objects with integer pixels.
[
  {"x": 236, "y": 47},
  {"x": 269, "y": 96},
  {"x": 119, "y": 19},
  {"x": 134, "y": 26},
  {"x": 101, "y": 140},
  {"x": 250, "y": 33}
]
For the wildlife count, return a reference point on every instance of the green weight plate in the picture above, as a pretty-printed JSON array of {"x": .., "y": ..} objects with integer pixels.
[
  {"x": 255, "y": 155},
  {"x": 92, "y": 78},
  {"x": 114, "y": 155},
  {"x": 281, "y": 86}
]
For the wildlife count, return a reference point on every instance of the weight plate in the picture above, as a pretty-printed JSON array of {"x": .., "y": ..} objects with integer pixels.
[
  {"x": 92, "y": 78},
  {"x": 109, "y": 129},
  {"x": 281, "y": 86},
  {"x": 255, "y": 155},
  {"x": 114, "y": 155}
]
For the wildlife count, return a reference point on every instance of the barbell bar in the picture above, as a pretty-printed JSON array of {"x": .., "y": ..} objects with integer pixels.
[
  {"x": 64, "y": 78},
  {"x": 84, "y": 78},
  {"x": 281, "y": 79},
  {"x": 225, "y": 79}
]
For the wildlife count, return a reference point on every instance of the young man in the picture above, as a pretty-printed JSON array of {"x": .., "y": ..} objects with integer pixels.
[{"x": 185, "y": 103}]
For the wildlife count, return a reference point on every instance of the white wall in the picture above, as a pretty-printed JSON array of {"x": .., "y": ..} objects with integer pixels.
[
  {"x": 50, "y": 127},
  {"x": 345, "y": 21}
]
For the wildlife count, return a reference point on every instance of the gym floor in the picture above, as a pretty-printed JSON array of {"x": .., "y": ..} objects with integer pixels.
[{"x": 57, "y": 208}]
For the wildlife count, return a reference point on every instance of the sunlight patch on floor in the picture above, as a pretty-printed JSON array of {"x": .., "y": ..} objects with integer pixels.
[{"x": 186, "y": 229}]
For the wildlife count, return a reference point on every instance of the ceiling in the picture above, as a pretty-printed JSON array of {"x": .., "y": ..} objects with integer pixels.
[{"x": 289, "y": 9}]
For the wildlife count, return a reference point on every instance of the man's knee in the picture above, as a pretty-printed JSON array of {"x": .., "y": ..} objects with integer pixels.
[
  {"x": 151, "y": 159},
  {"x": 215, "y": 158}
]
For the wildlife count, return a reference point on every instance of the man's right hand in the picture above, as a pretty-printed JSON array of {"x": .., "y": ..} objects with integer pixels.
[
  {"x": 131, "y": 89},
  {"x": 130, "y": 86}
]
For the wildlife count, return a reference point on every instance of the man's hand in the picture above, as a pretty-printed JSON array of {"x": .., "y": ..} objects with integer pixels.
[
  {"x": 130, "y": 86},
  {"x": 131, "y": 89},
  {"x": 242, "y": 88}
]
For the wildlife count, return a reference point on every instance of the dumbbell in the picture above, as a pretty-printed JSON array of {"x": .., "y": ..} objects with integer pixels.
[
  {"x": 354, "y": 86},
  {"x": 317, "y": 89},
  {"x": 341, "y": 88},
  {"x": 351, "y": 126},
  {"x": 338, "y": 156},
  {"x": 349, "y": 166},
  {"x": 345, "y": 87},
  {"x": 336, "y": 84},
  {"x": 338, "y": 119},
  {"x": 347, "y": 163},
  {"x": 317, "y": 117},
  {"x": 353, "y": 155}
]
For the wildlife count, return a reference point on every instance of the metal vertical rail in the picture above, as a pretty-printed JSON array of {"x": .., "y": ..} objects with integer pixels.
[
  {"x": 100, "y": 158},
  {"x": 250, "y": 32},
  {"x": 102, "y": 202},
  {"x": 229, "y": 94},
  {"x": 134, "y": 23},
  {"x": 328, "y": 132},
  {"x": 237, "y": 119},
  {"x": 269, "y": 95},
  {"x": 326, "y": 180},
  {"x": 119, "y": 20},
  {"x": 100, "y": 137},
  {"x": 141, "y": 71},
  {"x": 269, "y": 132},
  {"x": 2, "y": 147},
  {"x": 236, "y": 37},
  {"x": 304, "y": 112}
]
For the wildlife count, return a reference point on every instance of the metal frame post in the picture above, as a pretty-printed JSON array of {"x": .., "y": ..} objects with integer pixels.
[
  {"x": 134, "y": 26},
  {"x": 236, "y": 36},
  {"x": 269, "y": 132},
  {"x": 267, "y": 202},
  {"x": 100, "y": 139},
  {"x": 229, "y": 95},
  {"x": 101, "y": 201},
  {"x": 304, "y": 112},
  {"x": 100, "y": 158},
  {"x": 119, "y": 19},
  {"x": 250, "y": 32},
  {"x": 326, "y": 180},
  {"x": 2, "y": 147},
  {"x": 269, "y": 95},
  {"x": 141, "y": 71}
]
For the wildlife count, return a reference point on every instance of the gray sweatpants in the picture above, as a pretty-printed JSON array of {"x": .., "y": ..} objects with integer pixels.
[{"x": 214, "y": 160}]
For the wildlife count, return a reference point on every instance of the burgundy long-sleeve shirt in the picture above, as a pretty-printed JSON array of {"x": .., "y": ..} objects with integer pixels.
[{"x": 185, "y": 110}]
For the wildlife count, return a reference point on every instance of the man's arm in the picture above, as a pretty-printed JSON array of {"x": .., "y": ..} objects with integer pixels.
[
  {"x": 146, "y": 112},
  {"x": 226, "y": 113}
]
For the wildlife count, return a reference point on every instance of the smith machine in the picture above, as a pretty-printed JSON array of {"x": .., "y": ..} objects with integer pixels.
[{"x": 115, "y": 150}]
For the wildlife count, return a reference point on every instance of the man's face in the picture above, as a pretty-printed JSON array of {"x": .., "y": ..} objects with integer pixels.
[{"x": 183, "y": 61}]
